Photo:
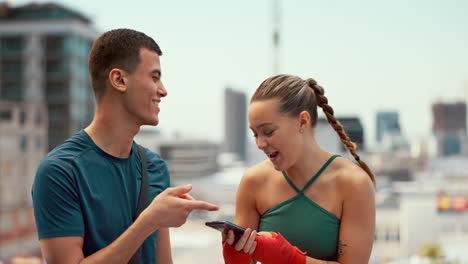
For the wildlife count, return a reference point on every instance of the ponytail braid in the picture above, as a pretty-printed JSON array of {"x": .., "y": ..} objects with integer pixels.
[{"x": 322, "y": 101}]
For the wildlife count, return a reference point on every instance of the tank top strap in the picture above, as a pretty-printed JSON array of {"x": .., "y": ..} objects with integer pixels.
[
  {"x": 290, "y": 182},
  {"x": 319, "y": 172}
]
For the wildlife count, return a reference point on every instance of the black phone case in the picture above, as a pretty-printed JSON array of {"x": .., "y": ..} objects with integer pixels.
[{"x": 225, "y": 226}]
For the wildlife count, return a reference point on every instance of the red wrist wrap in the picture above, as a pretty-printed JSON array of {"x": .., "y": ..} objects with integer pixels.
[
  {"x": 277, "y": 250},
  {"x": 232, "y": 256}
]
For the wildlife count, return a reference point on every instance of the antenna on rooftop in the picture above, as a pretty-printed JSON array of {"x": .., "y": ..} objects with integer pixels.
[{"x": 276, "y": 35}]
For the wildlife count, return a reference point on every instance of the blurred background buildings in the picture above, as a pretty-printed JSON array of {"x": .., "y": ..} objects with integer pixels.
[{"x": 45, "y": 97}]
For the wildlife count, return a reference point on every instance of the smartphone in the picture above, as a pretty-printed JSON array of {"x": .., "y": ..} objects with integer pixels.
[{"x": 225, "y": 226}]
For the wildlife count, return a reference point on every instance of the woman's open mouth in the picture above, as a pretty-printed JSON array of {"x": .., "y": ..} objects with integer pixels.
[{"x": 272, "y": 156}]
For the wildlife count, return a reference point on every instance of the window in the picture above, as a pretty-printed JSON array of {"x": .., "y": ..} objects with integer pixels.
[
  {"x": 22, "y": 117},
  {"x": 11, "y": 90},
  {"x": 37, "y": 117},
  {"x": 11, "y": 68},
  {"x": 55, "y": 66},
  {"x": 11, "y": 45},
  {"x": 5, "y": 115},
  {"x": 39, "y": 142},
  {"x": 23, "y": 143},
  {"x": 57, "y": 91},
  {"x": 387, "y": 235},
  {"x": 54, "y": 44}
]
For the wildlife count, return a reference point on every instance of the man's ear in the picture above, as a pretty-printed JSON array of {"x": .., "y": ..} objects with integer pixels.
[{"x": 117, "y": 80}]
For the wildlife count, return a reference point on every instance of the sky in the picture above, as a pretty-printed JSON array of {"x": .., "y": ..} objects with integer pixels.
[{"x": 369, "y": 55}]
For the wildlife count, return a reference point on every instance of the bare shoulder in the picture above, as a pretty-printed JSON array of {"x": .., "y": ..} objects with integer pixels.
[
  {"x": 351, "y": 178},
  {"x": 257, "y": 174}
]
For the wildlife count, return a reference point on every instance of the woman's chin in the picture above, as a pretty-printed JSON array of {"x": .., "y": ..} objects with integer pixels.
[{"x": 278, "y": 166}]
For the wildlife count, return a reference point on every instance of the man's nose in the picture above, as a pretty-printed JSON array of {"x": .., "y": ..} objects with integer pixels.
[{"x": 162, "y": 90}]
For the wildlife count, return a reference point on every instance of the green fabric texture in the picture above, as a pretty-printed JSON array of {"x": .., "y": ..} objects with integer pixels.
[
  {"x": 304, "y": 223},
  {"x": 80, "y": 190}
]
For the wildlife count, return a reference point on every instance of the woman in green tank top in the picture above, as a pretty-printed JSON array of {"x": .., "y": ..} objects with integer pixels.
[{"x": 319, "y": 202}]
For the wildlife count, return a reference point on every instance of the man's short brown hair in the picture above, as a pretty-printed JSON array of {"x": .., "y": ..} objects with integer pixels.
[{"x": 118, "y": 48}]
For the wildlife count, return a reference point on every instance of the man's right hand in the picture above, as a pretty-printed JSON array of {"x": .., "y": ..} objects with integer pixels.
[{"x": 172, "y": 207}]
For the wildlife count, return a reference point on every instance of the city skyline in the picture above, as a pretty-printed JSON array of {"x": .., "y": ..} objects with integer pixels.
[
  {"x": 420, "y": 192},
  {"x": 399, "y": 56}
]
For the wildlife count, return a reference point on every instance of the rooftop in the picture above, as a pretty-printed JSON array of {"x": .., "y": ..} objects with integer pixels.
[{"x": 40, "y": 11}]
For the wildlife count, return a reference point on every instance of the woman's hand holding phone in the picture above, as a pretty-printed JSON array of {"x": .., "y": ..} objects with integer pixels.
[
  {"x": 241, "y": 252},
  {"x": 246, "y": 243}
]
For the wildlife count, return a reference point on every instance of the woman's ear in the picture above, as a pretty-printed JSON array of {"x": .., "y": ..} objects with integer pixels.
[
  {"x": 117, "y": 80},
  {"x": 304, "y": 120}
]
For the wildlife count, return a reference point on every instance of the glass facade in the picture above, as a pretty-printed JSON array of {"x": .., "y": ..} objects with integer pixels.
[
  {"x": 45, "y": 97},
  {"x": 11, "y": 68},
  {"x": 67, "y": 89},
  {"x": 68, "y": 92}
]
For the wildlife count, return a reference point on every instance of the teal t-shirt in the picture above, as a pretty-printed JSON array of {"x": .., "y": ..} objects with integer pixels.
[{"x": 80, "y": 190}]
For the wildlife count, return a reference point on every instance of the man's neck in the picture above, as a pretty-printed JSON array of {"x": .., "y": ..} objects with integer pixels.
[{"x": 112, "y": 133}]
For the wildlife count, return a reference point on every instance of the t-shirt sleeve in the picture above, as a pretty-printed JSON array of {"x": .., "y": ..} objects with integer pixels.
[
  {"x": 56, "y": 203},
  {"x": 158, "y": 171}
]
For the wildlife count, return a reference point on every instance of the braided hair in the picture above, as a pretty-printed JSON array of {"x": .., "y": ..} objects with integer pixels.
[{"x": 297, "y": 95}]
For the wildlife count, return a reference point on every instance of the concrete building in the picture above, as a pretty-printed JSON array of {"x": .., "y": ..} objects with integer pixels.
[
  {"x": 43, "y": 57},
  {"x": 449, "y": 127},
  {"x": 387, "y": 122},
  {"x": 433, "y": 209},
  {"x": 149, "y": 137},
  {"x": 190, "y": 158},
  {"x": 389, "y": 136},
  {"x": 235, "y": 123},
  {"x": 394, "y": 166},
  {"x": 23, "y": 143},
  {"x": 328, "y": 138},
  {"x": 45, "y": 97}
]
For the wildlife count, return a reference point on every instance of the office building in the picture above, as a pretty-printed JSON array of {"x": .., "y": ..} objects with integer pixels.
[
  {"x": 387, "y": 123},
  {"x": 23, "y": 143},
  {"x": 449, "y": 127},
  {"x": 235, "y": 120},
  {"x": 190, "y": 158},
  {"x": 328, "y": 138},
  {"x": 43, "y": 58},
  {"x": 45, "y": 97}
]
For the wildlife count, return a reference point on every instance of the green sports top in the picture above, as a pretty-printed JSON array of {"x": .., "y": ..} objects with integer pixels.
[{"x": 304, "y": 223}]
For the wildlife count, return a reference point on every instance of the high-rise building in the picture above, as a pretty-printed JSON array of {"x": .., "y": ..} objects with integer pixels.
[
  {"x": 387, "y": 122},
  {"x": 23, "y": 143},
  {"x": 235, "y": 120},
  {"x": 389, "y": 136},
  {"x": 43, "y": 58},
  {"x": 328, "y": 138},
  {"x": 45, "y": 96},
  {"x": 449, "y": 127}
]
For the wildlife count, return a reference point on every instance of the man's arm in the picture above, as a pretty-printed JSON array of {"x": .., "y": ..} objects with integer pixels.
[
  {"x": 163, "y": 249},
  {"x": 70, "y": 249},
  {"x": 166, "y": 210},
  {"x": 62, "y": 249}
]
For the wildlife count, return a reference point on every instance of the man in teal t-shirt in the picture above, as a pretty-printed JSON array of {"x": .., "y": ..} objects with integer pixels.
[{"x": 86, "y": 190}]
